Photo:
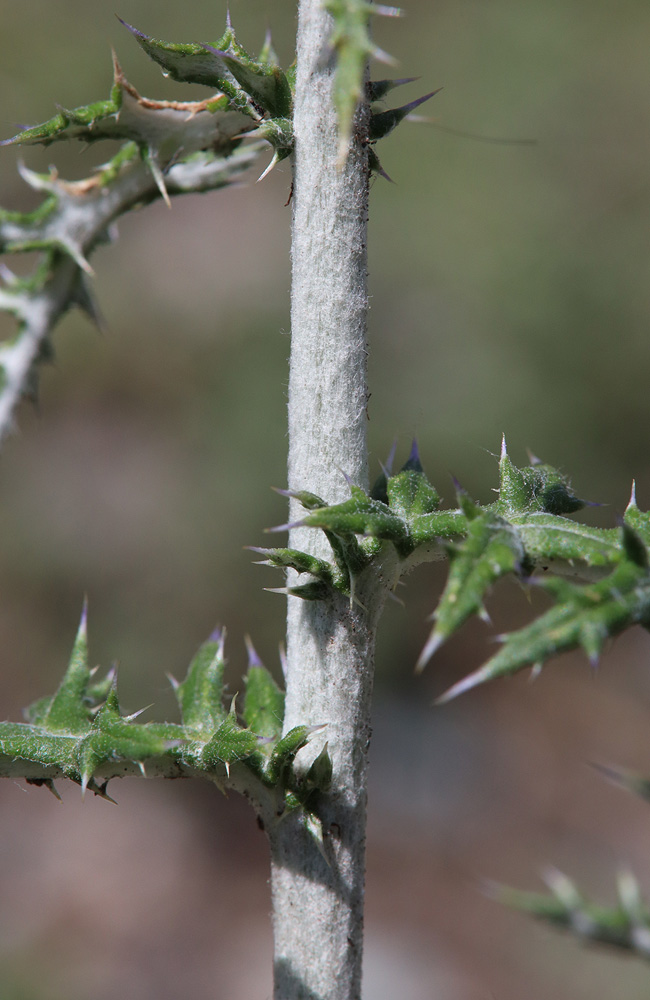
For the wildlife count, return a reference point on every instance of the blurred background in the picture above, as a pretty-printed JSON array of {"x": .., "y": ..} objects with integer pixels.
[{"x": 510, "y": 292}]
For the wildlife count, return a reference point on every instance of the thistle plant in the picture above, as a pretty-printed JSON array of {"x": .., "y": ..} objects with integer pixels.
[{"x": 300, "y": 756}]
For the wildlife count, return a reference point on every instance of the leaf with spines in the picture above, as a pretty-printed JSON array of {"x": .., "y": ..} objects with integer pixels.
[
  {"x": 257, "y": 88},
  {"x": 535, "y": 488},
  {"x": 162, "y": 130},
  {"x": 382, "y": 123},
  {"x": 316, "y": 782},
  {"x": 409, "y": 492},
  {"x": 582, "y": 616},
  {"x": 264, "y": 701},
  {"x": 68, "y": 734},
  {"x": 625, "y": 926},
  {"x": 526, "y": 530},
  {"x": 68, "y": 710},
  {"x": 360, "y": 515},
  {"x": 491, "y": 549},
  {"x": 226, "y": 66},
  {"x": 200, "y": 695},
  {"x": 284, "y": 751},
  {"x": 302, "y": 562},
  {"x": 555, "y": 542},
  {"x": 353, "y": 46},
  {"x": 167, "y": 157},
  {"x": 190, "y": 62},
  {"x": 229, "y": 743},
  {"x": 80, "y": 733}
]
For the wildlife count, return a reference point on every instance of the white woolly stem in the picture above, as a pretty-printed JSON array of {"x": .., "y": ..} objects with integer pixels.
[{"x": 318, "y": 893}]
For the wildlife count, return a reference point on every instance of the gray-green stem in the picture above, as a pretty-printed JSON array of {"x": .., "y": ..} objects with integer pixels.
[{"x": 318, "y": 897}]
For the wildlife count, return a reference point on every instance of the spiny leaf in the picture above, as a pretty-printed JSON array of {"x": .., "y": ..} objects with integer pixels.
[
  {"x": 382, "y": 123},
  {"x": 113, "y": 737},
  {"x": 68, "y": 710},
  {"x": 267, "y": 85},
  {"x": 351, "y": 41},
  {"x": 317, "y": 781},
  {"x": 225, "y": 65},
  {"x": 310, "y": 501},
  {"x": 440, "y": 524},
  {"x": 230, "y": 743},
  {"x": 549, "y": 539},
  {"x": 359, "y": 516},
  {"x": 200, "y": 696},
  {"x": 313, "y": 590},
  {"x": 186, "y": 62},
  {"x": 537, "y": 487},
  {"x": 409, "y": 492},
  {"x": 286, "y": 749},
  {"x": 72, "y": 736},
  {"x": 264, "y": 701},
  {"x": 377, "y": 89},
  {"x": 302, "y": 562},
  {"x": 491, "y": 549},
  {"x": 582, "y": 616},
  {"x": 626, "y": 926},
  {"x": 163, "y": 130}
]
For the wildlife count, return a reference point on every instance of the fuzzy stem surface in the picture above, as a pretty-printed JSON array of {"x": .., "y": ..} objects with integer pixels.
[{"x": 318, "y": 893}]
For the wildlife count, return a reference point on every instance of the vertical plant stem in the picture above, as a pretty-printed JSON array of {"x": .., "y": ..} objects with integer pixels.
[{"x": 318, "y": 897}]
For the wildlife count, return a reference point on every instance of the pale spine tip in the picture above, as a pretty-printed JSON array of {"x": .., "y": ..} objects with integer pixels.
[{"x": 631, "y": 504}]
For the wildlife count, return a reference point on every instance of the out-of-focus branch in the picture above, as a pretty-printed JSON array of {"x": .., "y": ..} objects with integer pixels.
[{"x": 71, "y": 221}]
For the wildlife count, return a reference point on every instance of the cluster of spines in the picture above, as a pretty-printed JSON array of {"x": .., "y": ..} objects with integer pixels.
[
  {"x": 625, "y": 926},
  {"x": 598, "y": 578},
  {"x": 351, "y": 41},
  {"x": 80, "y": 733}
]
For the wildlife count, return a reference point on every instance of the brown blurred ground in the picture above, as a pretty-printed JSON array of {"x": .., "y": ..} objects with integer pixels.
[{"x": 510, "y": 292}]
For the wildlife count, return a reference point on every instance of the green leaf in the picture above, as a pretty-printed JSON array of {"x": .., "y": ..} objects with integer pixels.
[
  {"x": 186, "y": 62},
  {"x": 537, "y": 487},
  {"x": 352, "y": 43},
  {"x": 113, "y": 738},
  {"x": 317, "y": 781},
  {"x": 285, "y": 750},
  {"x": 409, "y": 492},
  {"x": 221, "y": 65},
  {"x": 302, "y": 562},
  {"x": 230, "y": 743},
  {"x": 441, "y": 524},
  {"x": 360, "y": 516},
  {"x": 267, "y": 85},
  {"x": 491, "y": 549},
  {"x": 548, "y": 539},
  {"x": 626, "y": 926},
  {"x": 582, "y": 616},
  {"x": 71, "y": 735},
  {"x": 68, "y": 711},
  {"x": 200, "y": 696},
  {"x": 163, "y": 130},
  {"x": 264, "y": 701}
]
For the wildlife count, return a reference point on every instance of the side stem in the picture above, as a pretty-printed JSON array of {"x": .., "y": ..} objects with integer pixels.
[{"x": 318, "y": 895}]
